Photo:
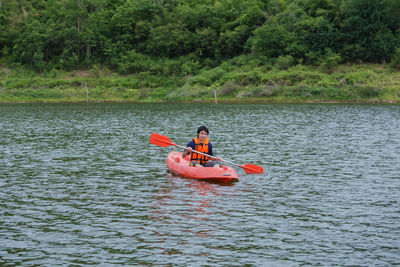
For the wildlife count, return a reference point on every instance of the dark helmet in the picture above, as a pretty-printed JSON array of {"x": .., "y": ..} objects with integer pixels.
[{"x": 202, "y": 128}]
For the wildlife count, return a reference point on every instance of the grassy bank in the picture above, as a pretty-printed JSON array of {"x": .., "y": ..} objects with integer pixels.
[{"x": 238, "y": 80}]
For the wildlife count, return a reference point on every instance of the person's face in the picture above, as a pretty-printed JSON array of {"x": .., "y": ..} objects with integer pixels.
[{"x": 202, "y": 136}]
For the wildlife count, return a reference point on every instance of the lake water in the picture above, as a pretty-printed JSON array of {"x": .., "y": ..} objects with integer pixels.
[{"x": 81, "y": 185}]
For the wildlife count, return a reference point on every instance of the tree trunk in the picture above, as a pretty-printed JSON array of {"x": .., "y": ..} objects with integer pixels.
[
  {"x": 87, "y": 53},
  {"x": 79, "y": 6}
]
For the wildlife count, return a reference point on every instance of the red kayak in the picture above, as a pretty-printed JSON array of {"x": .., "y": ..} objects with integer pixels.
[{"x": 180, "y": 166}]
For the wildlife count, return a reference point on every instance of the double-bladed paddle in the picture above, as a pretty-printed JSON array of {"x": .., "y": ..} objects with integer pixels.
[{"x": 163, "y": 141}]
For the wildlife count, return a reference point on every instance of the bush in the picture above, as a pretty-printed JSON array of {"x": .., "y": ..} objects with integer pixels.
[
  {"x": 38, "y": 62},
  {"x": 190, "y": 67},
  {"x": 284, "y": 62},
  {"x": 266, "y": 91},
  {"x": 95, "y": 71},
  {"x": 395, "y": 62},
  {"x": 330, "y": 60},
  {"x": 269, "y": 40},
  {"x": 369, "y": 91},
  {"x": 133, "y": 62},
  {"x": 229, "y": 88}
]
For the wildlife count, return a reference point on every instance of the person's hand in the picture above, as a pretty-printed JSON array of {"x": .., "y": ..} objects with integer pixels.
[
  {"x": 218, "y": 158},
  {"x": 187, "y": 151}
]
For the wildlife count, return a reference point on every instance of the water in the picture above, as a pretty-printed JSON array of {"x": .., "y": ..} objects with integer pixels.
[{"x": 80, "y": 185}]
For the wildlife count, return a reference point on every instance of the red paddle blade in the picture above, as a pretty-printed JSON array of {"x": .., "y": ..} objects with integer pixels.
[
  {"x": 160, "y": 140},
  {"x": 251, "y": 168}
]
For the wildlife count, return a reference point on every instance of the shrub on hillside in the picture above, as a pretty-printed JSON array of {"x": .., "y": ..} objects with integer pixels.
[
  {"x": 395, "y": 62},
  {"x": 284, "y": 62},
  {"x": 369, "y": 91},
  {"x": 266, "y": 91},
  {"x": 229, "y": 88},
  {"x": 330, "y": 60}
]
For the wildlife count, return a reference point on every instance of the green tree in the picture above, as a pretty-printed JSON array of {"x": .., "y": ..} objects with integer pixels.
[
  {"x": 366, "y": 27},
  {"x": 131, "y": 17},
  {"x": 231, "y": 42},
  {"x": 393, "y": 10},
  {"x": 4, "y": 39},
  {"x": 312, "y": 35},
  {"x": 205, "y": 41},
  {"x": 197, "y": 17},
  {"x": 270, "y": 40},
  {"x": 253, "y": 16},
  {"x": 38, "y": 62},
  {"x": 312, "y": 28},
  {"x": 31, "y": 40},
  {"x": 395, "y": 61},
  {"x": 171, "y": 40},
  {"x": 69, "y": 34}
]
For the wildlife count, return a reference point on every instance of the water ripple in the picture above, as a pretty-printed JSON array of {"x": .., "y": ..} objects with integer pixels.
[{"x": 81, "y": 185}]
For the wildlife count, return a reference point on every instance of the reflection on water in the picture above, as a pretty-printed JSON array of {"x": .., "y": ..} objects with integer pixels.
[
  {"x": 196, "y": 197},
  {"x": 183, "y": 213},
  {"x": 81, "y": 185}
]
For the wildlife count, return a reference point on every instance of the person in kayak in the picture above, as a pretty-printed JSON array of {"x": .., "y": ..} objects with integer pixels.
[{"x": 201, "y": 144}]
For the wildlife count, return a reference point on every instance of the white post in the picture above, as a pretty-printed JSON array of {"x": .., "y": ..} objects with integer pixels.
[{"x": 87, "y": 93}]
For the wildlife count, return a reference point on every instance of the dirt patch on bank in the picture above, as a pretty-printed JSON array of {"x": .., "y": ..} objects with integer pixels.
[{"x": 78, "y": 74}]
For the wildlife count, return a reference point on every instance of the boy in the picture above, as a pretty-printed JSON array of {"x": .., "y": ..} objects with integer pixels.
[{"x": 201, "y": 144}]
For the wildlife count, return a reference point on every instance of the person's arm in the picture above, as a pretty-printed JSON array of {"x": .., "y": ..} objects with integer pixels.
[
  {"x": 188, "y": 150},
  {"x": 210, "y": 152}
]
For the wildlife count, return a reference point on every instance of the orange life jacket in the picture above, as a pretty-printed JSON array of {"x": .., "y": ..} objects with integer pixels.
[{"x": 201, "y": 147}]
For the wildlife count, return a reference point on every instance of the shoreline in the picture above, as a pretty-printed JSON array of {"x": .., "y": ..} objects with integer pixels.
[{"x": 209, "y": 101}]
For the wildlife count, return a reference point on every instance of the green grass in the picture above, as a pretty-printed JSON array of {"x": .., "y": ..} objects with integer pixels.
[{"x": 242, "y": 79}]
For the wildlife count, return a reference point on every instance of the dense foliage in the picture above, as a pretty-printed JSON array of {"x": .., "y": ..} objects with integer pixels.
[{"x": 183, "y": 36}]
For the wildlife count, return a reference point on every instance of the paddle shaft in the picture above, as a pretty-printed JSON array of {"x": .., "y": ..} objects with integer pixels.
[
  {"x": 201, "y": 153},
  {"x": 204, "y": 154}
]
